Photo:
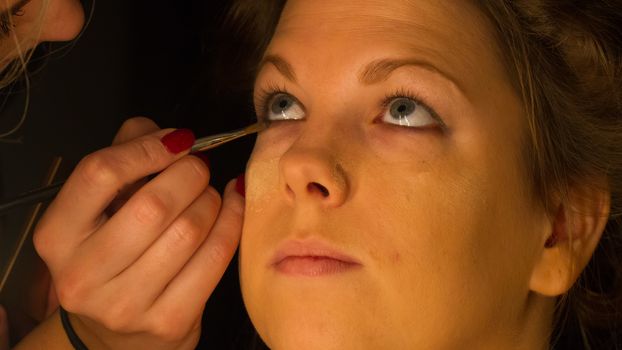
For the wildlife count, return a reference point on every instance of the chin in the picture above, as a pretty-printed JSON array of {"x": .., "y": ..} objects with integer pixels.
[
  {"x": 318, "y": 320},
  {"x": 308, "y": 334},
  {"x": 303, "y": 336}
]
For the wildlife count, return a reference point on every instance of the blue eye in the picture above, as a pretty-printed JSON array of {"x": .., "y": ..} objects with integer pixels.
[
  {"x": 407, "y": 112},
  {"x": 284, "y": 107}
]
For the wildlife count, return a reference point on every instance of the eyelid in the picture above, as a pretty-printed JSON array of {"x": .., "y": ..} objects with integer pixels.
[
  {"x": 18, "y": 8},
  {"x": 265, "y": 95},
  {"x": 6, "y": 23},
  {"x": 403, "y": 93}
]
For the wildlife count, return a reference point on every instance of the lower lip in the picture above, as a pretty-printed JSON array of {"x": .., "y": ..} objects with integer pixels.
[{"x": 313, "y": 266}]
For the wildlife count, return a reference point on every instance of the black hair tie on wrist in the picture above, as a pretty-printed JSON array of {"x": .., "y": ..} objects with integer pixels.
[{"x": 71, "y": 333}]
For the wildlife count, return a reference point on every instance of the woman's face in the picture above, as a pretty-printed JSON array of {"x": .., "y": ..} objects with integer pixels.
[
  {"x": 35, "y": 21},
  {"x": 387, "y": 205}
]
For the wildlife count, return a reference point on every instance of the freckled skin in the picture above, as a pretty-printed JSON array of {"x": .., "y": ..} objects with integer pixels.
[{"x": 440, "y": 220}]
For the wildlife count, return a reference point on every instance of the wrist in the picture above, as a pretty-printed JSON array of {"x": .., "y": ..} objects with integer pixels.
[
  {"x": 78, "y": 333},
  {"x": 72, "y": 336}
]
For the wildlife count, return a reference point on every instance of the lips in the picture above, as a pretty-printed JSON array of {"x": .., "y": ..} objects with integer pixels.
[{"x": 311, "y": 258}]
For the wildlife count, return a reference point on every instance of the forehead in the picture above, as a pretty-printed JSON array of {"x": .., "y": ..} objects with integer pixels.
[
  {"x": 454, "y": 35},
  {"x": 459, "y": 21},
  {"x": 367, "y": 12}
]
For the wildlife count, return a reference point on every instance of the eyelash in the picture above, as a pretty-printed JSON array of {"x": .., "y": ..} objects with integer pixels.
[
  {"x": 404, "y": 93},
  {"x": 266, "y": 94},
  {"x": 6, "y": 25}
]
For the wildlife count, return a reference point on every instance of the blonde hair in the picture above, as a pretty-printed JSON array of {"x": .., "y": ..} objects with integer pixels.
[
  {"x": 17, "y": 67},
  {"x": 23, "y": 50}
]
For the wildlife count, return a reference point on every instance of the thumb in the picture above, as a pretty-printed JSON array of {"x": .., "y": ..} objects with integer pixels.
[{"x": 4, "y": 329}]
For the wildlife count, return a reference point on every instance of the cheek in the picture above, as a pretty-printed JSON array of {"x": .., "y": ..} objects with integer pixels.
[
  {"x": 259, "y": 235},
  {"x": 456, "y": 236},
  {"x": 262, "y": 178},
  {"x": 428, "y": 219},
  {"x": 262, "y": 172}
]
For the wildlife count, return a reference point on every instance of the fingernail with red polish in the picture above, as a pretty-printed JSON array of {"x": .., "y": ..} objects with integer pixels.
[
  {"x": 203, "y": 157},
  {"x": 240, "y": 186},
  {"x": 178, "y": 140}
]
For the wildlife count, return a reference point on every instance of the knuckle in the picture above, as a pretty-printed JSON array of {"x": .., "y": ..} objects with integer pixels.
[
  {"x": 97, "y": 170},
  {"x": 71, "y": 290},
  {"x": 41, "y": 242},
  {"x": 118, "y": 316},
  {"x": 219, "y": 253},
  {"x": 45, "y": 239},
  {"x": 170, "y": 328},
  {"x": 148, "y": 150},
  {"x": 111, "y": 323},
  {"x": 197, "y": 168},
  {"x": 187, "y": 230},
  {"x": 149, "y": 209}
]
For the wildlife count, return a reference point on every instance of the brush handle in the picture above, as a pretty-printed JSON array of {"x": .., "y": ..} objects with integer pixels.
[
  {"x": 209, "y": 142},
  {"x": 30, "y": 197},
  {"x": 202, "y": 144}
]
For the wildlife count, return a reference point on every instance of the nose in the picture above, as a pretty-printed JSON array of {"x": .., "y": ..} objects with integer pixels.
[{"x": 313, "y": 175}]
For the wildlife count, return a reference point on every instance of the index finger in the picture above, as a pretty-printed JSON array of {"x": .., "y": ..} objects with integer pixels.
[
  {"x": 100, "y": 176},
  {"x": 133, "y": 128}
]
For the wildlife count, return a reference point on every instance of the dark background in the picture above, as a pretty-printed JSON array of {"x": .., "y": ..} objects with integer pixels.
[{"x": 167, "y": 60}]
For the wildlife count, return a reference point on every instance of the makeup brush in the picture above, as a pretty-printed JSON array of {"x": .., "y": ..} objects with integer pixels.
[
  {"x": 202, "y": 144},
  {"x": 209, "y": 142}
]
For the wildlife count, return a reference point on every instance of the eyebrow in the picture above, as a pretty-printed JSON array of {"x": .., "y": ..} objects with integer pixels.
[
  {"x": 379, "y": 70},
  {"x": 280, "y": 64},
  {"x": 374, "y": 72}
]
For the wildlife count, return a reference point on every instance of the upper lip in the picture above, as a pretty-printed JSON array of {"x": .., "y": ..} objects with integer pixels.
[{"x": 310, "y": 248}]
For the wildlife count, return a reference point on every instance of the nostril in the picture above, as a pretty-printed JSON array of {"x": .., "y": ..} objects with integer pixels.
[{"x": 316, "y": 187}]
